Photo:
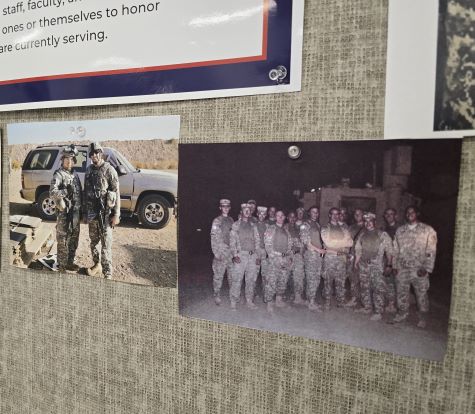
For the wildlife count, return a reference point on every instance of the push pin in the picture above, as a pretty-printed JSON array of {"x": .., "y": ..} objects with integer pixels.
[
  {"x": 278, "y": 74},
  {"x": 294, "y": 152}
]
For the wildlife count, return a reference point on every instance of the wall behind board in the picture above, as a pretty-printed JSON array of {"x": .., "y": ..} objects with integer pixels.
[{"x": 71, "y": 344}]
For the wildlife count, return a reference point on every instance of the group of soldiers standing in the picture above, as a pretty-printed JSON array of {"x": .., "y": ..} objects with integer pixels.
[
  {"x": 98, "y": 206},
  {"x": 381, "y": 264}
]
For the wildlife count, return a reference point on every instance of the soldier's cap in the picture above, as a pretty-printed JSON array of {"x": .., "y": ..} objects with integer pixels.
[
  {"x": 245, "y": 205},
  {"x": 252, "y": 202},
  {"x": 69, "y": 151},
  {"x": 224, "y": 202},
  {"x": 261, "y": 209},
  {"x": 369, "y": 216},
  {"x": 94, "y": 147}
]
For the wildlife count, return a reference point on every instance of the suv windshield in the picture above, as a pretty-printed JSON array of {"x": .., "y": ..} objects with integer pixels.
[{"x": 40, "y": 159}]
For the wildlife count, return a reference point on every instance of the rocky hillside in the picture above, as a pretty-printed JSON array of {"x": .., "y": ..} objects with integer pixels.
[{"x": 155, "y": 153}]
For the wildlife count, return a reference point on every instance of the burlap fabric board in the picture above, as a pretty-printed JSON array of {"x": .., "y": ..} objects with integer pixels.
[{"x": 73, "y": 344}]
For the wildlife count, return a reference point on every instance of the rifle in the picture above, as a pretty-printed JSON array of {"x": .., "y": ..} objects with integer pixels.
[
  {"x": 69, "y": 201},
  {"x": 99, "y": 206}
]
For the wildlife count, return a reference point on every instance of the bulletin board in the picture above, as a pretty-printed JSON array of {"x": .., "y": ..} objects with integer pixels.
[{"x": 74, "y": 344}]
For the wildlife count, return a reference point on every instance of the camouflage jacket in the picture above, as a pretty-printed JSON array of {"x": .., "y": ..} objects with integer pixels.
[
  {"x": 98, "y": 183},
  {"x": 297, "y": 244},
  {"x": 235, "y": 243},
  {"x": 305, "y": 235},
  {"x": 269, "y": 242},
  {"x": 220, "y": 235},
  {"x": 62, "y": 179},
  {"x": 337, "y": 237},
  {"x": 415, "y": 248},
  {"x": 367, "y": 253}
]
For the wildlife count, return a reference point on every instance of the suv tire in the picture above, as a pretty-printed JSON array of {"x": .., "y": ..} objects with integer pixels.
[
  {"x": 45, "y": 206},
  {"x": 154, "y": 211}
]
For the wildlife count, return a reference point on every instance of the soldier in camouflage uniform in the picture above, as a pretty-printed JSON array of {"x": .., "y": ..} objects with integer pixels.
[
  {"x": 351, "y": 272},
  {"x": 278, "y": 244},
  {"x": 415, "y": 247},
  {"x": 297, "y": 274},
  {"x": 391, "y": 227},
  {"x": 244, "y": 243},
  {"x": 374, "y": 251},
  {"x": 343, "y": 215},
  {"x": 65, "y": 190},
  {"x": 337, "y": 241},
  {"x": 310, "y": 234},
  {"x": 262, "y": 227},
  {"x": 102, "y": 209},
  {"x": 220, "y": 239}
]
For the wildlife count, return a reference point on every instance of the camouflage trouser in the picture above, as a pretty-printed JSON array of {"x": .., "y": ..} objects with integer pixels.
[
  {"x": 277, "y": 277},
  {"x": 67, "y": 237},
  {"x": 391, "y": 289},
  {"x": 220, "y": 266},
  {"x": 313, "y": 273},
  {"x": 248, "y": 269},
  {"x": 101, "y": 254},
  {"x": 404, "y": 279},
  {"x": 354, "y": 278},
  {"x": 297, "y": 273},
  {"x": 372, "y": 284},
  {"x": 334, "y": 269}
]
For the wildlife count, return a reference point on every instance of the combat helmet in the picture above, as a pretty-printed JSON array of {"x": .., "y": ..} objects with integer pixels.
[
  {"x": 93, "y": 147},
  {"x": 70, "y": 151}
]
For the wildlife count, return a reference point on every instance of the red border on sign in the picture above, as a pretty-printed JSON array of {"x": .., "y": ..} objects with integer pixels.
[{"x": 262, "y": 56}]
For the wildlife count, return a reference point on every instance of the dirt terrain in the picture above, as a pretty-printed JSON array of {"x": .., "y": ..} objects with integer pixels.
[{"x": 141, "y": 256}]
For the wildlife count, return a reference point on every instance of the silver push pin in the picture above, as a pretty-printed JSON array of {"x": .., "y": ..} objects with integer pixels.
[
  {"x": 278, "y": 74},
  {"x": 294, "y": 152}
]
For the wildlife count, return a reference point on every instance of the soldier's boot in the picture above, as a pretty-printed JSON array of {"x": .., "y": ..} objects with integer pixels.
[
  {"x": 270, "y": 307},
  {"x": 400, "y": 317},
  {"x": 314, "y": 306},
  {"x": 233, "y": 305},
  {"x": 351, "y": 303},
  {"x": 390, "y": 308},
  {"x": 279, "y": 302},
  {"x": 217, "y": 299},
  {"x": 422, "y": 322},
  {"x": 376, "y": 317},
  {"x": 251, "y": 304},
  {"x": 366, "y": 311},
  {"x": 298, "y": 299},
  {"x": 72, "y": 267},
  {"x": 94, "y": 270}
]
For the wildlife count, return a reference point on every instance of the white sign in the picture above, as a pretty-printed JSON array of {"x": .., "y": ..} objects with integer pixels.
[
  {"x": 417, "y": 68},
  {"x": 148, "y": 51}
]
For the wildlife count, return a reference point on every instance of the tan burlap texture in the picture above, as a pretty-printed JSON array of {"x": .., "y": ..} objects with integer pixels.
[{"x": 81, "y": 345}]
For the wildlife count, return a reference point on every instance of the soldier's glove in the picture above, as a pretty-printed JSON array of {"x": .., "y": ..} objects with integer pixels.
[
  {"x": 115, "y": 220},
  {"x": 236, "y": 259},
  {"x": 422, "y": 272}
]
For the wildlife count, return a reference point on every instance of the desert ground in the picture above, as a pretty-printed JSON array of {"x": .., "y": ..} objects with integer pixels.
[{"x": 141, "y": 256}]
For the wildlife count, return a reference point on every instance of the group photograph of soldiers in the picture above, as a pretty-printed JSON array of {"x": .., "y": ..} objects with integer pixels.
[
  {"x": 361, "y": 256},
  {"x": 93, "y": 208}
]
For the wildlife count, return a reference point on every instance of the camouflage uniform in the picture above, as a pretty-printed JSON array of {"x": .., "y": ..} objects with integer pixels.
[
  {"x": 66, "y": 185},
  {"x": 297, "y": 273},
  {"x": 310, "y": 233},
  {"x": 261, "y": 251},
  {"x": 222, "y": 260},
  {"x": 101, "y": 183},
  {"x": 370, "y": 249},
  {"x": 244, "y": 243},
  {"x": 278, "y": 244},
  {"x": 352, "y": 273},
  {"x": 414, "y": 249},
  {"x": 391, "y": 279},
  {"x": 337, "y": 238}
]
